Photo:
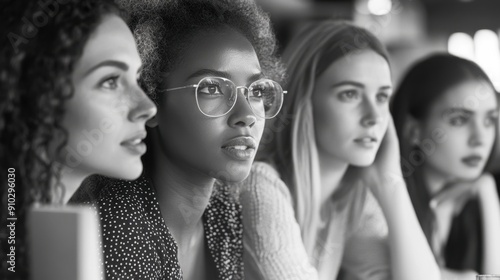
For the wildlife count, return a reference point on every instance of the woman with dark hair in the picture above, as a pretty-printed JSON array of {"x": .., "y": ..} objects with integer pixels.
[
  {"x": 446, "y": 112},
  {"x": 333, "y": 197},
  {"x": 208, "y": 65},
  {"x": 70, "y": 103}
]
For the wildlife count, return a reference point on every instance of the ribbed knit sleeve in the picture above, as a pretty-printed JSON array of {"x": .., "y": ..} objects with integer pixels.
[
  {"x": 273, "y": 247},
  {"x": 366, "y": 253}
]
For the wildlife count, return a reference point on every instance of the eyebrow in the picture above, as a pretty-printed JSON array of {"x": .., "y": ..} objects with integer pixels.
[
  {"x": 113, "y": 63},
  {"x": 216, "y": 73},
  {"x": 356, "y": 84},
  {"x": 458, "y": 110}
]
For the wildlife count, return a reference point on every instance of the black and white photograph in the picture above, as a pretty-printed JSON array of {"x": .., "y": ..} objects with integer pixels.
[{"x": 364, "y": 144}]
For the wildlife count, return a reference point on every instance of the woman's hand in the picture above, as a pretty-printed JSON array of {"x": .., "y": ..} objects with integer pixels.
[
  {"x": 459, "y": 192},
  {"x": 411, "y": 256},
  {"x": 385, "y": 172}
]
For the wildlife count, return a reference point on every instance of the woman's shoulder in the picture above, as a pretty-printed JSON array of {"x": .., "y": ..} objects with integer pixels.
[
  {"x": 100, "y": 190},
  {"x": 265, "y": 198},
  {"x": 264, "y": 181}
]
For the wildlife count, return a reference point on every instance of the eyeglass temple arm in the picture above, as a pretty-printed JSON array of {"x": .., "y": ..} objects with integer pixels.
[{"x": 176, "y": 88}]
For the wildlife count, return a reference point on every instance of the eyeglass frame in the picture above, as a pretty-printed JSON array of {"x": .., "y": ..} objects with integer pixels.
[{"x": 195, "y": 86}]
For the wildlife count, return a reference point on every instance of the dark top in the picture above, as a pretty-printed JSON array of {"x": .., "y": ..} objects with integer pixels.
[
  {"x": 464, "y": 249},
  {"x": 137, "y": 242}
]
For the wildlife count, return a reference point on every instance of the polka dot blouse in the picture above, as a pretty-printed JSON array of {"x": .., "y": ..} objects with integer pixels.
[{"x": 136, "y": 242}]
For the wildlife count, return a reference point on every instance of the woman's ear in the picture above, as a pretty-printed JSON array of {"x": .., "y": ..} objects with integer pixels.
[
  {"x": 412, "y": 131},
  {"x": 153, "y": 122}
]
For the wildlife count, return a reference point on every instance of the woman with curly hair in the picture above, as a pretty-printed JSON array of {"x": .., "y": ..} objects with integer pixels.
[
  {"x": 446, "y": 117},
  {"x": 70, "y": 103},
  {"x": 210, "y": 66},
  {"x": 333, "y": 196}
]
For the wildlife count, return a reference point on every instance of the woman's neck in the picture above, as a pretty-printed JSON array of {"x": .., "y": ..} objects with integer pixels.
[
  {"x": 332, "y": 171},
  {"x": 71, "y": 180},
  {"x": 183, "y": 194}
]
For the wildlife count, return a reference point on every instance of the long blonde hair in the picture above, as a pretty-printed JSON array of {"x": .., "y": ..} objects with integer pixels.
[{"x": 293, "y": 148}]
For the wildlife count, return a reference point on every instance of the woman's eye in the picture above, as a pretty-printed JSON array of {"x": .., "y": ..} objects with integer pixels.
[
  {"x": 382, "y": 97},
  {"x": 491, "y": 120},
  {"x": 349, "y": 95},
  {"x": 257, "y": 92},
  {"x": 210, "y": 89},
  {"x": 110, "y": 83},
  {"x": 458, "y": 120}
]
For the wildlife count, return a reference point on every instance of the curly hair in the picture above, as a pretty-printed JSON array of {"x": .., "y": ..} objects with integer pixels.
[
  {"x": 41, "y": 41},
  {"x": 163, "y": 31}
]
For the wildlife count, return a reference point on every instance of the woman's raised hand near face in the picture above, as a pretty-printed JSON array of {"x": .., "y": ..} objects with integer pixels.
[{"x": 385, "y": 172}]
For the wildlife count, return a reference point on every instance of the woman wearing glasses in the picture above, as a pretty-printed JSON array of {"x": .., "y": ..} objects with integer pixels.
[
  {"x": 207, "y": 65},
  {"x": 70, "y": 105},
  {"x": 345, "y": 205},
  {"x": 446, "y": 116}
]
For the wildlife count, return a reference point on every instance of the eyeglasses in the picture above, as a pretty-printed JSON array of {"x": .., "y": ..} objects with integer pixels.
[{"x": 216, "y": 96}]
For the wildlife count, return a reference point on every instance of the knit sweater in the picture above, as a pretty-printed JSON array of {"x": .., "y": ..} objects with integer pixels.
[{"x": 352, "y": 235}]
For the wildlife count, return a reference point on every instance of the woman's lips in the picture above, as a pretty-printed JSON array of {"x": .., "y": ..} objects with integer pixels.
[
  {"x": 366, "y": 142},
  {"x": 240, "y": 148},
  {"x": 472, "y": 161},
  {"x": 134, "y": 144}
]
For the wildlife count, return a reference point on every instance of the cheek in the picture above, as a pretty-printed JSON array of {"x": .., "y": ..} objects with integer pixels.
[
  {"x": 83, "y": 117},
  {"x": 447, "y": 150},
  {"x": 258, "y": 129},
  {"x": 186, "y": 132},
  {"x": 79, "y": 120},
  {"x": 489, "y": 138},
  {"x": 333, "y": 122},
  {"x": 98, "y": 120}
]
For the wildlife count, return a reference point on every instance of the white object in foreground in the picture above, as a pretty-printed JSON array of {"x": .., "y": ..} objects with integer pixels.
[{"x": 64, "y": 243}]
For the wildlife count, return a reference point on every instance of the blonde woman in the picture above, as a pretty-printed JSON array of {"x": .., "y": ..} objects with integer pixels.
[{"x": 334, "y": 204}]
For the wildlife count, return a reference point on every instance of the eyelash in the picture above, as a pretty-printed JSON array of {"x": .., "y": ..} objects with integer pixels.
[
  {"x": 343, "y": 95},
  {"x": 385, "y": 97},
  {"x": 113, "y": 79},
  {"x": 463, "y": 119},
  {"x": 355, "y": 95},
  {"x": 491, "y": 120}
]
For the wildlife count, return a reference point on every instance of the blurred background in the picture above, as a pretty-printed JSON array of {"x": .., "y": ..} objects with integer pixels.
[{"x": 410, "y": 29}]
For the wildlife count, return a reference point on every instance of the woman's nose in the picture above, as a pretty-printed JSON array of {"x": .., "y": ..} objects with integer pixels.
[
  {"x": 142, "y": 108},
  {"x": 477, "y": 134},
  {"x": 371, "y": 114},
  {"x": 241, "y": 114}
]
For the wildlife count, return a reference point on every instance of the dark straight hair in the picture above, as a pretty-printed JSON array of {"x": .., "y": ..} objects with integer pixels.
[{"x": 425, "y": 83}]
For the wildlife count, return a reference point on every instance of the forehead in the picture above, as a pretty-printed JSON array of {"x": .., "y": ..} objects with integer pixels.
[
  {"x": 224, "y": 49},
  {"x": 111, "y": 39},
  {"x": 365, "y": 66},
  {"x": 476, "y": 96}
]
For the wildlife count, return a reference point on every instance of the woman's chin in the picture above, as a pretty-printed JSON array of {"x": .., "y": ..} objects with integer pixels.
[
  {"x": 128, "y": 173},
  {"x": 234, "y": 176},
  {"x": 469, "y": 175},
  {"x": 362, "y": 161}
]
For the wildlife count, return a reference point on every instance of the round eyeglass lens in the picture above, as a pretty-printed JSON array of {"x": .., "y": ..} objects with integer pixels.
[
  {"x": 215, "y": 96},
  {"x": 266, "y": 97}
]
